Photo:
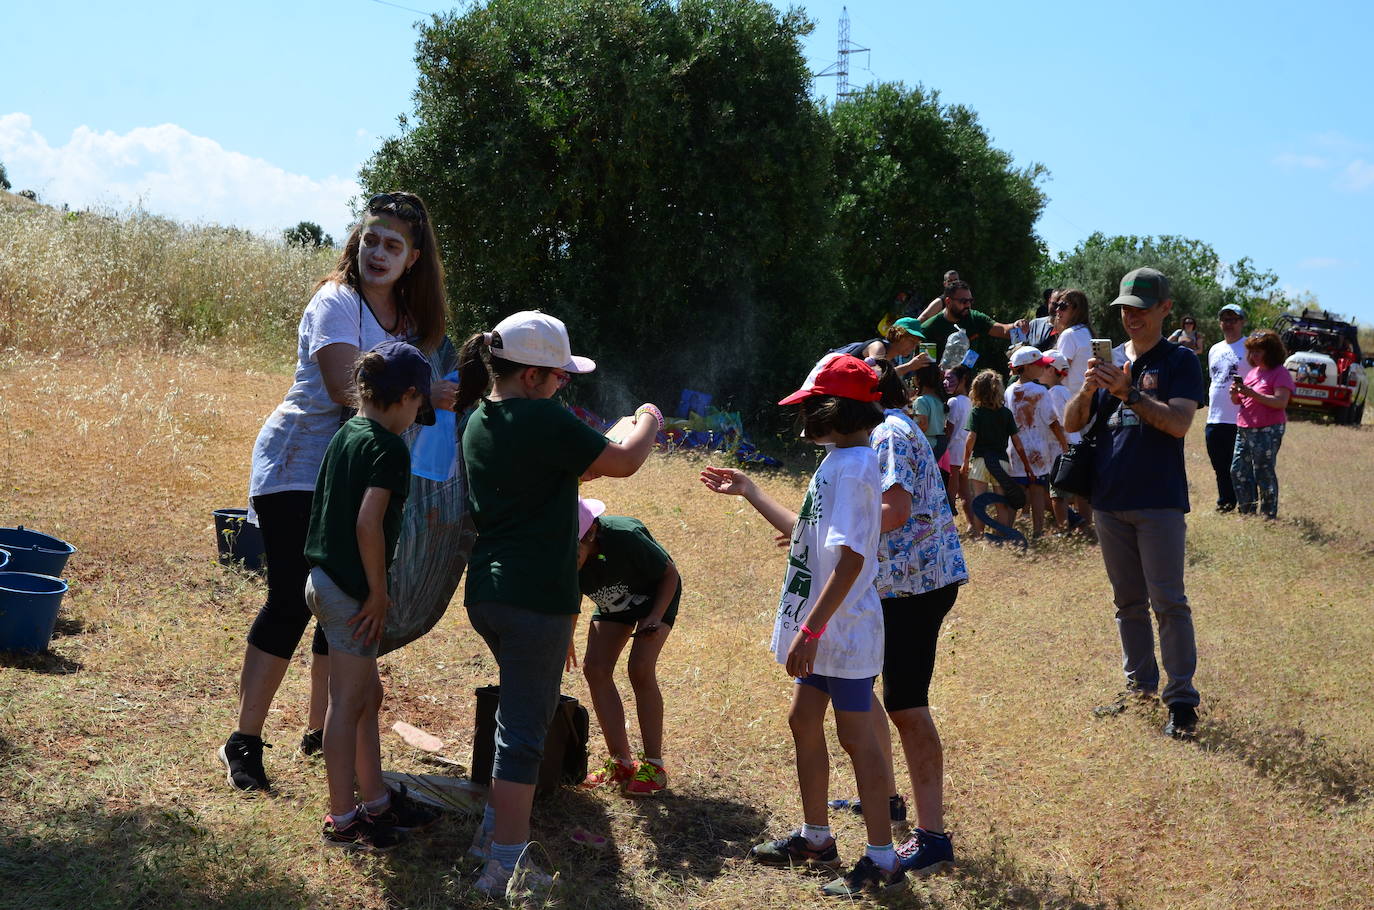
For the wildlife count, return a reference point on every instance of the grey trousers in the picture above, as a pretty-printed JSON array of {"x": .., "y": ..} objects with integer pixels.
[
  {"x": 1143, "y": 553},
  {"x": 530, "y": 648}
]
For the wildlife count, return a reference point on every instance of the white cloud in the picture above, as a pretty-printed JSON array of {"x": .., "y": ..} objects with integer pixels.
[
  {"x": 171, "y": 172},
  {"x": 1358, "y": 175}
]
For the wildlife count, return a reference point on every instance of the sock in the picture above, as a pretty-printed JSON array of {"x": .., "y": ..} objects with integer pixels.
[
  {"x": 883, "y": 857},
  {"x": 344, "y": 819},
  {"x": 816, "y": 834},
  {"x": 488, "y": 819},
  {"x": 508, "y": 854},
  {"x": 373, "y": 806}
]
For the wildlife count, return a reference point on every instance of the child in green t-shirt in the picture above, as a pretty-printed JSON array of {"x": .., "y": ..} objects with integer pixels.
[
  {"x": 930, "y": 408},
  {"x": 990, "y": 426},
  {"x": 636, "y": 589},
  {"x": 354, "y": 525}
]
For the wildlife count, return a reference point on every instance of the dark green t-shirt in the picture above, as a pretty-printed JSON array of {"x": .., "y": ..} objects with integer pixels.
[
  {"x": 523, "y": 458},
  {"x": 995, "y": 428},
  {"x": 362, "y": 454},
  {"x": 623, "y": 576}
]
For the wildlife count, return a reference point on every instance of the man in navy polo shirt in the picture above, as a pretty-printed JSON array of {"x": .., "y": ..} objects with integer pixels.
[{"x": 1140, "y": 490}]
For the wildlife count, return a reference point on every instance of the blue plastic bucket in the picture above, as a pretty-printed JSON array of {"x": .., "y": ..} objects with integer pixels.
[
  {"x": 238, "y": 541},
  {"x": 30, "y": 551},
  {"x": 692, "y": 401},
  {"x": 28, "y": 610}
]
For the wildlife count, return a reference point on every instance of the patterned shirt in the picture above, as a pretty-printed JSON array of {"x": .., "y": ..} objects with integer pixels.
[{"x": 924, "y": 554}]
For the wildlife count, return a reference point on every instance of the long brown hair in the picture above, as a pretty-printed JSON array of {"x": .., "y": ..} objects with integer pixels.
[
  {"x": 420, "y": 290},
  {"x": 1079, "y": 301}
]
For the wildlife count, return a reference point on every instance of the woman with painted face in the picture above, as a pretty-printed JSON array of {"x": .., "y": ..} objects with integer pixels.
[{"x": 387, "y": 285}]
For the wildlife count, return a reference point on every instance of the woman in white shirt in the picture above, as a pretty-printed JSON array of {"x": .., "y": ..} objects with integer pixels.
[{"x": 1074, "y": 335}]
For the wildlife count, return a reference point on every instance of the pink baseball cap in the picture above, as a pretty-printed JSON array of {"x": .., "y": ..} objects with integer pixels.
[{"x": 587, "y": 512}]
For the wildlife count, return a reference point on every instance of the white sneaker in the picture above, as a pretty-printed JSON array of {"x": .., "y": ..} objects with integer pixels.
[{"x": 525, "y": 885}]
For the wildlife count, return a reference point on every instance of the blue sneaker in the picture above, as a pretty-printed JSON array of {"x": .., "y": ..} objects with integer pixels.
[{"x": 926, "y": 854}]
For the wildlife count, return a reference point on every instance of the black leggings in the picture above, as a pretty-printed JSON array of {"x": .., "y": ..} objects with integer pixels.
[
  {"x": 911, "y": 630},
  {"x": 284, "y": 519}
]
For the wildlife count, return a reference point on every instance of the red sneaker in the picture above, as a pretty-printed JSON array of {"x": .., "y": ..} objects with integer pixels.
[
  {"x": 614, "y": 771},
  {"x": 648, "y": 779}
]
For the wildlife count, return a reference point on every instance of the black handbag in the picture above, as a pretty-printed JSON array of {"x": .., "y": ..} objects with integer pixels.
[
  {"x": 565, "y": 743},
  {"x": 1073, "y": 470}
]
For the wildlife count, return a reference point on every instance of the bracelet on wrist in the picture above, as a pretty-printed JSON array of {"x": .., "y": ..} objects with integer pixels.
[
  {"x": 652, "y": 411},
  {"x": 811, "y": 634}
]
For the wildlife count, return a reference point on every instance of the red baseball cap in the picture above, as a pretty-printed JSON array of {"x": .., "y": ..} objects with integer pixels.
[{"x": 841, "y": 375}]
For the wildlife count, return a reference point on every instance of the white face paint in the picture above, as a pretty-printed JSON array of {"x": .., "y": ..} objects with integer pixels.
[{"x": 383, "y": 253}]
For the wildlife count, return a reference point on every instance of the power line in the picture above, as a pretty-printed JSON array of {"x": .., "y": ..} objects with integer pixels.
[{"x": 408, "y": 9}]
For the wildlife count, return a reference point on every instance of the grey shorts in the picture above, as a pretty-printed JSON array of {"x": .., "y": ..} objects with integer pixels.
[{"x": 334, "y": 608}]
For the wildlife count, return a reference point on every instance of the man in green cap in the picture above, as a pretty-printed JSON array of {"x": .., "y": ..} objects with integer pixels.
[
  {"x": 1143, "y": 410},
  {"x": 958, "y": 312}
]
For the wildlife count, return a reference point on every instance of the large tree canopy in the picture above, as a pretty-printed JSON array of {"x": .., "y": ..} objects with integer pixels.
[
  {"x": 652, "y": 172},
  {"x": 922, "y": 190},
  {"x": 1200, "y": 282}
]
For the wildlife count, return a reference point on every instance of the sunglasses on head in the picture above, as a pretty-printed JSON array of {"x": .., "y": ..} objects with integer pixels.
[
  {"x": 404, "y": 205},
  {"x": 1061, "y": 305}
]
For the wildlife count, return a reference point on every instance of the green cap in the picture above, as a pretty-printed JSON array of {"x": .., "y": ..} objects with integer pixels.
[
  {"x": 1143, "y": 289},
  {"x": 911, "y": 325}
]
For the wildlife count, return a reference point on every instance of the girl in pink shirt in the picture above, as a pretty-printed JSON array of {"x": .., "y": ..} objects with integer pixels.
[{"x": 1263, "y": 397}]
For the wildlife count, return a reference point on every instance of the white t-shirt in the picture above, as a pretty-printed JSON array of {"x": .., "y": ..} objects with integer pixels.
[
  {"x": 842, "y": 507},
  {"x": 958, "y": 437},
  {"x": 1030, "y": 403},
  {"x": 291, "y": 444},
  {"x": 1076, "y": 344},
  {"x": 1224, "y": 360},
  {"x": 1061, "y": 395}
]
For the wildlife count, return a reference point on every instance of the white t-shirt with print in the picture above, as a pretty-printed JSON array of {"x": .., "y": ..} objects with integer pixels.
[
  {"x": 1030, "y": 403},
  {"x": 1060, "y": 395},
  {"x": 1224, "y": 360},
  {"x": 842, "y": 508},
  {"x": 958, "y": 437},
  {"x": 1076, "y": 344},
  {"x": 291, "y": 444}
]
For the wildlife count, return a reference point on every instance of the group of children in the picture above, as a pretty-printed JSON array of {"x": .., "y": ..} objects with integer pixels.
[{"x": 875, "y": 559}]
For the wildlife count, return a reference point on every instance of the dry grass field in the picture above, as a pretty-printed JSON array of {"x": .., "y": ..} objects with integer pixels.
[{"x": 111, "y": 795}]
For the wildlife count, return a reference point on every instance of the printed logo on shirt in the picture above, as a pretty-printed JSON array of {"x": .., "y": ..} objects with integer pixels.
[
  {"x": 1150, "y": 381},
  {"x": 616, "y": 598},
  {"x": 1123, "y": 418}
]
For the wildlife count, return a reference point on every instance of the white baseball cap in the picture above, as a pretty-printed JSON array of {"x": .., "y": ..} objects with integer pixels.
[
  {"x": 1058, "y": 360},
  {"x": 1026, "y": 355},
  {"x": 538, "y": 340}
]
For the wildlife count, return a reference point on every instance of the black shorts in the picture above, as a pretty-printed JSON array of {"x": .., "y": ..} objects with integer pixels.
[
  {"x": 284, "y": 519},
  {"x": 911, "y": 630}
]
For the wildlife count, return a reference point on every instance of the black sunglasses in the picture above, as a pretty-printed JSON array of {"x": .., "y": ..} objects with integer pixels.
[{"x": 405, "y": 205}]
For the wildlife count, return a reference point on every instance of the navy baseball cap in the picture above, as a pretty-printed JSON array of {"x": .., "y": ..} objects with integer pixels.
[{"x": 404, "y": 366}]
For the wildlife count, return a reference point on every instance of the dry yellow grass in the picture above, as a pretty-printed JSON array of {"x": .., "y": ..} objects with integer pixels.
[{"x": 110, "y": 795}]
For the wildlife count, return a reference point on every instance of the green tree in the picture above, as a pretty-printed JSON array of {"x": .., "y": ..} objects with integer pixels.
[
  {"x": 652, "y": 172},
  {"x": 920, "y": 189},
  {"x": 4, "y": 178},
  {"x": 1200, "y": 281},
  {"x": 307, "y": 233}
]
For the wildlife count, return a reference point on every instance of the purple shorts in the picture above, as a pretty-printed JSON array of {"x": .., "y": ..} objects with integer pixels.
[{"x": 845, "y": 694}]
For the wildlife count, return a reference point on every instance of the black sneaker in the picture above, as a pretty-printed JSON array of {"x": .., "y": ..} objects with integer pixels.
[
  {"x": 1182, "y": 722},
  {"x": 312, "y": 742},
  {"x": 796, "y": 850},
  {"x": 242, "y": 757},
  {"x": 866, "y": 878},
  {"x": 362, "y": 834},
  {"x": 403, "y": 813}
]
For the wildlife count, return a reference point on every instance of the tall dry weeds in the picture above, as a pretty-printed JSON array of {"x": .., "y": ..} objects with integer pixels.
[{"x": 94, "y": 280}]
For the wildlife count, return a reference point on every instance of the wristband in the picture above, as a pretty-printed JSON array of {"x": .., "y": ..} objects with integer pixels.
[
  {"x": 810, "y": 634},
  {"x": 651, "y": 410}
]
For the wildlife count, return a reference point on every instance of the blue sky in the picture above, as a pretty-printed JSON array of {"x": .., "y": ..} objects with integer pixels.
[{"x": 1247, "y": 125}]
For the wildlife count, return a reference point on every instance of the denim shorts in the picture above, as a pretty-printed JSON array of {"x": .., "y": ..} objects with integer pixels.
[
  {"x": 333, "y": 608},
  {"x": 845, "y": 694}
]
